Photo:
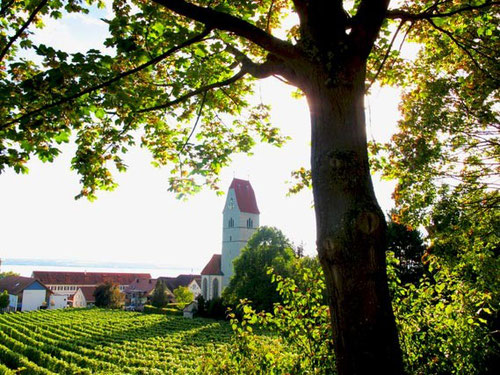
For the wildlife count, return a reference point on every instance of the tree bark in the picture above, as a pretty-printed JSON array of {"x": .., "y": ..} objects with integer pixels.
[{"x": 351, "y": 228}]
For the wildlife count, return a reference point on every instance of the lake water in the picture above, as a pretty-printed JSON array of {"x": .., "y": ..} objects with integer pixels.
[{"x": 155, "y": 271}]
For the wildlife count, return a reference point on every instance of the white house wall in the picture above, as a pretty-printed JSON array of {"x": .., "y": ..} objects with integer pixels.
[
  {"x": 70, "y": 289},
  {"x": 33, "y": 299},
  {"x": 194, "y": 288},
  {"x": 13, "y": 302},
  {"x": 79, "y": 299},
  {"x": 57, "y": 302}
]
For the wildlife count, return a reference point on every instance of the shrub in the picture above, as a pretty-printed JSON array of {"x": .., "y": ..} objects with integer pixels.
[
  {"x": 301, "y": 339},
  {"x": 443, "y": 323},
  {"x": 183, "y": 296}
]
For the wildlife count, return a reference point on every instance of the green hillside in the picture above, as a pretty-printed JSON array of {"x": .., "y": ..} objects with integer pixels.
[{"x": 74, "y": 341}]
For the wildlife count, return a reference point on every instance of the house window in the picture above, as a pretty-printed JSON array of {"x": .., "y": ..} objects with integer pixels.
[
  {"x": 231, "y": 223},
  {"x": 205, "y": 289},
  {"x": 215, "y": 288},
  {"x": 249, "y": 223},
  {"x": 230, "y": 238}
]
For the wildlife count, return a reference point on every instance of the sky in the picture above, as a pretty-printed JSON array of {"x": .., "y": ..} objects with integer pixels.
[{"x": 141, "y": 222}]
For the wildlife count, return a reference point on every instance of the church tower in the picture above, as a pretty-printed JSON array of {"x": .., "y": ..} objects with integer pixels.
[{"x": 240, "y": 219}]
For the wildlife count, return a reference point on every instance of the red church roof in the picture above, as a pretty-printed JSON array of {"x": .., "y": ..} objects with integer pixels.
[
  {"x": 213, "y": 267},
  {"x": 86, "y": 278},
  {"x": 245, "y": 196}
]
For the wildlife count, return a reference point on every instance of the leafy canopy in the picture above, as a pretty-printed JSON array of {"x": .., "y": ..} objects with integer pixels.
[
  {"x": 8, "y": 273},
  {"x": 160, "y": 296},
  {"x": 268, "y": 247},
  {"x": 183, "y": 296},
  {"x": 4, "y": 299},
  {"x": 108, "y": 295},
  {"x": 168, "y": 76},
  {"x": 177, "y": 86}
]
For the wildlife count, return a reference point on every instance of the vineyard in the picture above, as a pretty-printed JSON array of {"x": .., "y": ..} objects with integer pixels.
[{"x": 93, "y": 341}]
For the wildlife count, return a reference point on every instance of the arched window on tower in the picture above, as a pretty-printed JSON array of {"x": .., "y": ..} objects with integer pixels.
[
  {"x": 205, "y": 289},
  {"x": 231, "y": 223},
  {"x": 215, "y": 288},
  {"x": 249, "y": 223}
]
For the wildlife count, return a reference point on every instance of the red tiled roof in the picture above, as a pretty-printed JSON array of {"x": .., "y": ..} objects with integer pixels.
[
  {"x": 88, "y": 293},
  {"x": 173, "y": 283},
  {"x": 87, "y": 278},
  {"x": 16, "y": 284},
  {"x": 245, "y": 196},
  {"x": 213, "y": 267},
  {"x": 141, "y": 285}
]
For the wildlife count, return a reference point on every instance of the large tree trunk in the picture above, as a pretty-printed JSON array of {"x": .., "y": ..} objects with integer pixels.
[{"x": 351, "y": 228}]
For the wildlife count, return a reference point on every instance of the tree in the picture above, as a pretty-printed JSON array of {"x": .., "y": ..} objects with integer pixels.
[
  {"x": 408, "y": 247},
  {"x": 8, "y": 273},
  {"x": 176, "y": 62},
  {"x": 268, "y": 247},
  {"x": 159, "y": 297},
  {"x": 4, "y": 300},
  {"x": 108, "y": 295},
  {"x": 183, "y": 295}
]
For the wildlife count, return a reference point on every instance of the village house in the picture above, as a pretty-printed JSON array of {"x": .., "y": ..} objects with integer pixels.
[
  {"x": 139, "y": 293},
  {"x": 25, "y": 293},
  {"x": 192, "y": 282},
  {"x": 79, "y": 287}
]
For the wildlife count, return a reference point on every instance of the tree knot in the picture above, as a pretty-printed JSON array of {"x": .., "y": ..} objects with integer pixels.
[{"x": 367, "y": 222}]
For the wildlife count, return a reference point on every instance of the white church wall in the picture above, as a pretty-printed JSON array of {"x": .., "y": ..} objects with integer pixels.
[{"x": 210, "y": 281}]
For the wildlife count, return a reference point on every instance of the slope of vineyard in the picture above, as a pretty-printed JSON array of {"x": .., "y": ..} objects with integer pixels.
[{"x": 74, "y": 341}]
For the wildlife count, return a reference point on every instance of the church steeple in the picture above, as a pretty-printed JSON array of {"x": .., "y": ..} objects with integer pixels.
[{"x": 240, "y": 220}]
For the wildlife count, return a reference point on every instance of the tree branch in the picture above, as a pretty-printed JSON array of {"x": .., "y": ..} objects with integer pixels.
[
  {"x": 227, "y": 22},
  {"x": 190, "y": 94},
  {"x": 264, "y": 70},
  {"x": 269, "y": 14},
  {"x": 23, "y": 27},
  {"x": 6, "y": 6},
  {"x": 366, "y": 24},
  {"x": 428, "y": 13},
  {"x": 386, "y": 55},
  {"x": 68, "y": 99},
  {"x": 461, "y": 46},
  {"x": 198, "y": 116}
]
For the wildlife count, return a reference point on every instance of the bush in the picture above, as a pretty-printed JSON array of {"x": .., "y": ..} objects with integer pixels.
[
  {"x": 302, "y": 342},
  {"x": 443, "y": 323},
  {"x": 183, "y": 296},
  {"x": 4, "y": 299},
  {"x": 446, "y": 326},
  {"x": 214, "y": 309}
]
